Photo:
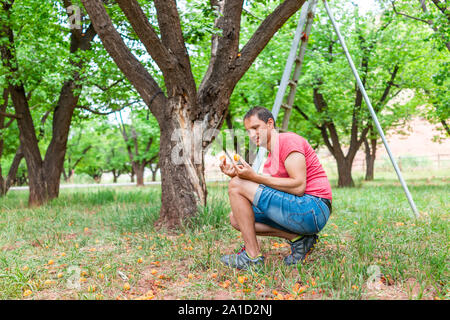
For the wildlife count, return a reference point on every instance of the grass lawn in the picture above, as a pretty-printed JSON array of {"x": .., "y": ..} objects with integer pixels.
[{"x": 101, "y": 244}]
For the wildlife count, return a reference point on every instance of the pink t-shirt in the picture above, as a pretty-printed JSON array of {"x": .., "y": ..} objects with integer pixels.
[{"x": 317, "y": 183}]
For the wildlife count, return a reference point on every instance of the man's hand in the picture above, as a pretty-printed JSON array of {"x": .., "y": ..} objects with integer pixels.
[
  {"x": 244, "y": 170},
  {"x": 227, "y": 169}
]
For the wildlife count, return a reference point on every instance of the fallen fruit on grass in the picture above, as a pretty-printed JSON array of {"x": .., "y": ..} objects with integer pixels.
[
  {"x": 60, "y": 275},
  {"x": 154, "y": 271},
  {"x": 298, "y": 289},
  {"x": 25, "y": 268},
  {"x": 139, "y": 260},
  {"x": 241, "y": 279},
  {"x": 126, "y": 286},
  {"x": 50, "y": 262},
  {"x": 27, "y": 293}
]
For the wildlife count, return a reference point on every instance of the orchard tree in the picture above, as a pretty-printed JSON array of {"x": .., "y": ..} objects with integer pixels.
[
  {"x": 141, "y": 137},
  {"x": 435, "y": 16},
  {"x": 334, "y": 105},
  {"x": 42, "y": 57},
  {"x": 180, "y": 105}
]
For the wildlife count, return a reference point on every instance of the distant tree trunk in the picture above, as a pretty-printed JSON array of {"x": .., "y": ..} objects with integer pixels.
[
  {"x": 139, "y": 170},
  {"x": 132, "y": 174},
  {"x": 116, "y": 174},
  {"x": 370, "y": 152},
  {"x": 5, "y": 184},
  {"x": 154, "y": 171}
]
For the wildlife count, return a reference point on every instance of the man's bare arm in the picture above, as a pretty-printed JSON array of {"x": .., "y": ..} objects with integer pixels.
[{"x": 295, "y": 165}]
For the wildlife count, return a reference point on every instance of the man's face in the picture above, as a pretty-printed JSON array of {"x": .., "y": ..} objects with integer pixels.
[{"x": 258, "y": 131}]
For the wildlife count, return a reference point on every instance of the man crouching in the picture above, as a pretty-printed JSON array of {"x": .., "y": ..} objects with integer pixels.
[{"x": 292, "y": 201}]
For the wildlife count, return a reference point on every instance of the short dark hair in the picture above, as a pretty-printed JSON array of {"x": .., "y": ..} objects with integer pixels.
[{"x": 262, "y": 113}]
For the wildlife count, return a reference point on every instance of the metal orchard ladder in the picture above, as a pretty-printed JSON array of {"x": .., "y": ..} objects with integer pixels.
[
  {"x": 302, "y": 34},
  {"x": 292, "y": 83},
  {"x": 295, "y": 60}
]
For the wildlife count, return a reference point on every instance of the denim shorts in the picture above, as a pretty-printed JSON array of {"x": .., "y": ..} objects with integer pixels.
[{"x": 303, "y": 215}]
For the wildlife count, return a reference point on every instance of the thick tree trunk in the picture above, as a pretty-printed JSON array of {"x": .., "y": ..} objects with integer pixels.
[{"x": 182, "y": 174}]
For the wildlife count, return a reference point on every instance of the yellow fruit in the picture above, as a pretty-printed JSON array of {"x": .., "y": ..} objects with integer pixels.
[
  {"x": 50, "y": 262},
  {"x": 25, "y": 268},
  {"x": 60, "y": 275},
  {"x": 139, "y": 260},
  {"x": 126, "y": 286},
  {"x": 190, "y": 276},
  {"x": 222, "y": 157},
  {"x": 153, "y": 272},
  {"x": 27, "y": 293},
  {"x": 236, "y": 157},
  {"x": 241, "y": 279}
]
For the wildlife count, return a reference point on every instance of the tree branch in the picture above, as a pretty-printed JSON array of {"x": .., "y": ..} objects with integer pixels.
[
  {"x": 147, "y": 34},
  {"x": 172, "y": 38},
  {"x": 10, "y": 115},
  {"x": 125, "y": 60},
  {"x": 263, "y": 35},
  {"x": 406, "y": 15}
]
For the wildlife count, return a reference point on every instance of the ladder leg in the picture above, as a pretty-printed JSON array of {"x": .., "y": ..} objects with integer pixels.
[{"x": 372, "y": 112}]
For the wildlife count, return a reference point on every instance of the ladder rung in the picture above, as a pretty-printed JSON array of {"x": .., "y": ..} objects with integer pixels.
[
  {"x": 298, "y": 59},
  {"x": 285, "y": 106},
  {"x": 292, "y": 83}
]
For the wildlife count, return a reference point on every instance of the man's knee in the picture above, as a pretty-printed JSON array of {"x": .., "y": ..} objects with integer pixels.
[
  {"x": 235, "y": 185},
  {"x": 233, "y": 222}
]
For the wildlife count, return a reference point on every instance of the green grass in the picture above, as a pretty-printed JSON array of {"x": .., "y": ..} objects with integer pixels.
[{"x": 103, "y": 233}]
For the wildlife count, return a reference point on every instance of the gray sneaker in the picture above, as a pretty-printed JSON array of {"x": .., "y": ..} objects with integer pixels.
[
  {"x": 300, "y": 249},
  {"x": 241, "y": 260}
]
